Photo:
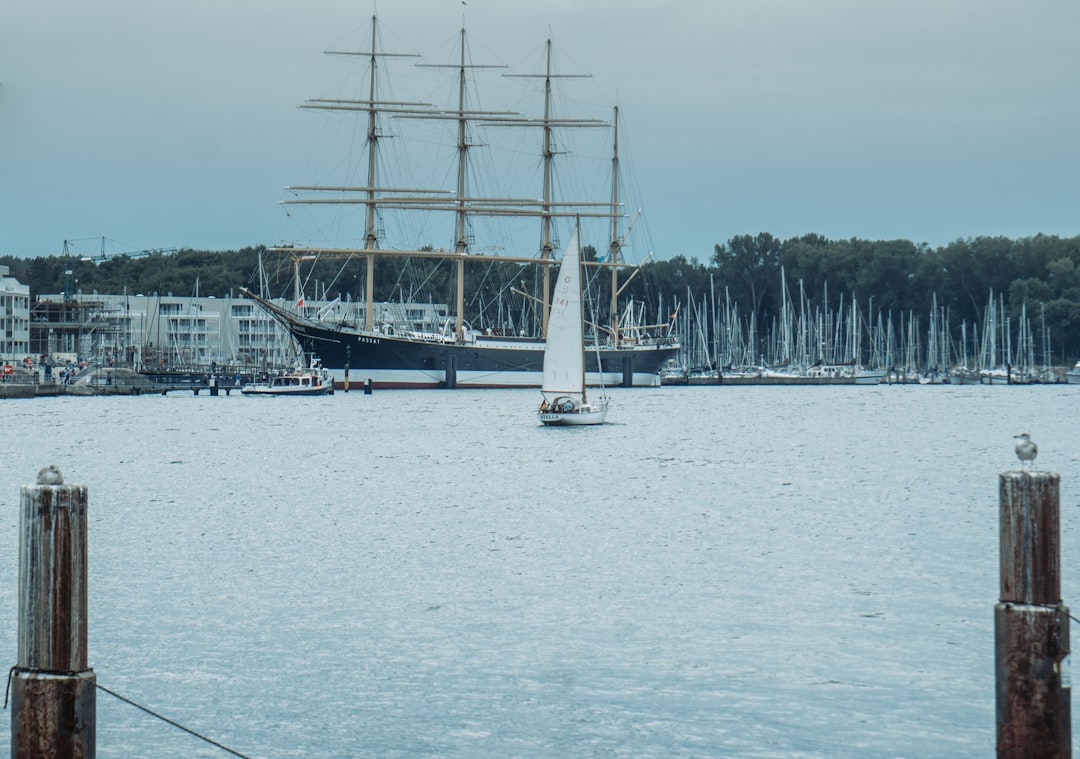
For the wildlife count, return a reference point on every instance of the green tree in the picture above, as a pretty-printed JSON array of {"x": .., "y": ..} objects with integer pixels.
[{"x": 751, "y": 267}]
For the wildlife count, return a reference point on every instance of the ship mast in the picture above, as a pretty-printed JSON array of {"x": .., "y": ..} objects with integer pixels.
[
  {"x": 462, "y": 201},
  {"x": 547, "y": 205},
  {"x": 457, "y": 201},
  {"x": 616, "y": 245},
  {"x": 370, "y": 238},
  {"x": 461, "y": 244},
  {"x": 373, "y": 107},
  {"x": 549, "y": 154}
]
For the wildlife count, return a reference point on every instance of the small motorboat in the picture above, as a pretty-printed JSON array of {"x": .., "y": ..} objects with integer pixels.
[{"x": 314, "y": 380}]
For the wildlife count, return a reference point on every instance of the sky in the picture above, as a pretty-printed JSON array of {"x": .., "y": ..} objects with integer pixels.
[{"x": 155, "y": 123}]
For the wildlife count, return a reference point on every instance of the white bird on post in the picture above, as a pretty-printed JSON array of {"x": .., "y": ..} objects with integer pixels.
[{"x": 1026, "y": 450}]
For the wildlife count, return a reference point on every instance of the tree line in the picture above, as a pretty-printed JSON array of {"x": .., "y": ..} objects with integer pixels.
[
  {"x": 885, "y": 276},
  {"x": 893, "y": 277}
]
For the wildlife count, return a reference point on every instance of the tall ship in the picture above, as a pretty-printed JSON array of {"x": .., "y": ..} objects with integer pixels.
[{"x": 363, "y": 347}]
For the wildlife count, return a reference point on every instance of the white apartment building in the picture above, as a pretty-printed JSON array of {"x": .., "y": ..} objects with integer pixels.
[
  {"x": 147, "y": 331},
  {"x": 165, "y": 330},
  {"x": 14, "y": 318}
]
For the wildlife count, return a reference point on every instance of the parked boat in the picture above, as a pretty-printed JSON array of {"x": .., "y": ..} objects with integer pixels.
[
  {"x": 847, "y": 373},
  {"x": 824, "y": 374},
  {"x": 313, "y": 380},
  {"x": 564, "y": 393},
  {"x": 630, "y": 352},
  {"x": 1073, "y": 375}
]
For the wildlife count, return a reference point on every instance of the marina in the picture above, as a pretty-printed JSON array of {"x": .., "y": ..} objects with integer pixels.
[{"x": 809, "y": 573}]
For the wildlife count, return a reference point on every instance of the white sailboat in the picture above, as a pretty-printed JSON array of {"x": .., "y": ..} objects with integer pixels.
[{"x": 563, "y": 387}]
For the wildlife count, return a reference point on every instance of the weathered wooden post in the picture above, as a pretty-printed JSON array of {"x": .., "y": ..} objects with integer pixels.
[
  {"x": 348, "y": 352},
  {"x": 53, "y": 712},
  {"x": 1031, "y": 625}
]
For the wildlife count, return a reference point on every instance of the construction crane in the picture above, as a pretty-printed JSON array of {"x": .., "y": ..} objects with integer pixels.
[
  {"x": 102, "y": 255},
  {"x": 71, "y": 255}
]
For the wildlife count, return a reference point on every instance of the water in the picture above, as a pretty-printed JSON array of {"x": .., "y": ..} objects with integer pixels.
[{"x": 719, "y": 571}]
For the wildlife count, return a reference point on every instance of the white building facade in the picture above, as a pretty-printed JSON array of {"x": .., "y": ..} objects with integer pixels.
[
  {"x": 14, "y": 318},
  {"x": 151, "y": 331}
]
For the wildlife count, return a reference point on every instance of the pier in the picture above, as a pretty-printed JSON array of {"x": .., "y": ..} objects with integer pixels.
[{"x": 215, "y": 380}]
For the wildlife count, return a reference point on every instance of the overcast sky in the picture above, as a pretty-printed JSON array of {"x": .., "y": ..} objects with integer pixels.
[{"x": 172, "y": 124}]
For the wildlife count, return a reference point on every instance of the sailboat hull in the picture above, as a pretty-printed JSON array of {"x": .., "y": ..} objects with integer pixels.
[
  {"x": 573, "y": 418},
  {"x": 569, "y": 420}
]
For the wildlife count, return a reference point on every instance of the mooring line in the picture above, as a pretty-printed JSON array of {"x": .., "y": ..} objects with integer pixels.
[
  {"x": 7, "y": 690},
  {"x": 169, "y": 721}
]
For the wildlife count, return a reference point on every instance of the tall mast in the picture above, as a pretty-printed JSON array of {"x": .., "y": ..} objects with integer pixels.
[
  {"x": 545, "y": 223},
  {"x": 373, "y": 107},
  {"x": 462, "y": 201},
  {"x": 616, "y": 245},
  {"x": 370, "y": 239},
  {"x": 458, "y": 200},
  {"x": 461, "y": 243},
  {"x": 547, "y": 204}
]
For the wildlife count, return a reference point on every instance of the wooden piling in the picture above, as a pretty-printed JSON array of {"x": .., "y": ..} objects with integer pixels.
[
  {"x": 53, "y": 711},
  {"x": 1031, "y": 625}
]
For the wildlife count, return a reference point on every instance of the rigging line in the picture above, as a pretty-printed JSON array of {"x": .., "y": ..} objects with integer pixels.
[
  {"x": 171, "y": 722},
  {"x": 419, "y": 287},
  {"x": 489, "y": 275}
]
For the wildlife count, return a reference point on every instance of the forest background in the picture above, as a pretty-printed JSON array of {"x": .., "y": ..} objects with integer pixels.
[{"x": 891, "y": 278}]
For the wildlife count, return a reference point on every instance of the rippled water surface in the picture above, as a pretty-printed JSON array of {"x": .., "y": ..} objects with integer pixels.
[{"x": 718, "y": 571}]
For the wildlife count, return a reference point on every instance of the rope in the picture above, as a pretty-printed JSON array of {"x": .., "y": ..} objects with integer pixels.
[
  {"x": 151, "y": 712},
  {"x": 1059, "y": 607},
  {"x": 7, "y": 690},
  {"x": 171, "y": 722}
]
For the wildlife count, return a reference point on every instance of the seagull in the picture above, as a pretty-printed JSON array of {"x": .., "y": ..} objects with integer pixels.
[
  {"x": 1026, "y": 450},
  {"x": 50, "y": 475}
]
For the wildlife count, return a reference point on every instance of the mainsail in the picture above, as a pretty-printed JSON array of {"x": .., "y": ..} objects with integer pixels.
[{"x": 564, "y": 355}]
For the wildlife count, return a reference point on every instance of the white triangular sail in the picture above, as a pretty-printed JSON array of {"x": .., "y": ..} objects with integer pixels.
[{"x": 564, "y": 354}]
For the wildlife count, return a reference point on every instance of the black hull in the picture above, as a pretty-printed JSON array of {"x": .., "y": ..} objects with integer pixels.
[{"x": 354, "y": 358}]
